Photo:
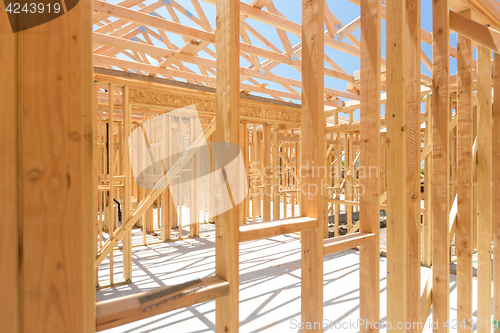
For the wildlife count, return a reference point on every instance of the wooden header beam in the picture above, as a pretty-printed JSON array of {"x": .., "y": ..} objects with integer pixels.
[{"x": 476, "y": 31}]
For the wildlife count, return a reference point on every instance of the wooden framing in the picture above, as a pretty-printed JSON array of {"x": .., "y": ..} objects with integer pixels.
[
  {"x": 495, "y": 193},
  {"x": 227, "y": 120},
  {"x": 463, "y": 240},
  {"x": 440, "y": 171},
  {"x": 413, "y": 161},
  {"x": 46, "y": 262},
  {"x": 370, "y": 151},
  {"x": 484, "y": 186},
  {"x": 58, "y": 166},
  {"x": 396, "y": 163},
  {"x": 312, "y": 135},
  {"x": 10, "y": 288}
]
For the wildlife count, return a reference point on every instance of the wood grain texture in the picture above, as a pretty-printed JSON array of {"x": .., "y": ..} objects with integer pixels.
[
  {"x": 440, "y": 172},
  {"x": 484, "y": 187},
  {"x": 266, "y": 198},
  {"x": 117, "y": 312},
  {"x": 396, "y": 163},
  {"x": 463, "y": 240},
  {"x": 312, "y": 156},
  {"x": 496, "y": 187},
  {"x": 412, "y": 150},
  {"x": 10, "y": 312},
  {"x": 127, "y": 188},
  {"x": 253, "y": 231},
  {"x": 369, "y": 218},
  {"x": 90, "y": 203},
  {"x": 345, "y": 242},
  {"x": 475, "y": 31},
  {"x": 276, "y": 173},
  {"x": 227, "y": 119},
  {"x": 52, "y": 175}
]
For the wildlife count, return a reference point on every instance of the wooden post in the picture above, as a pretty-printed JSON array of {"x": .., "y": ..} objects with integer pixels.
[
  {"x": 259, "y": 171},
  {"x": 90, "y": 184},
  {"x": 10, "y": 173},
  {"x": 227, "y": 122},
  {"x": 194, "y": 227},
  {"x": 127, "y": 188},
  {"x": 349, "y": 174},
  {"x": 180, "y": 195},
  {"x": 338, "y": 177},
  {"x": 412, "y": 149},
  {"x": 396, "y": 164},
  {"x": 427, "y": 227},
  {"x": 312, "y": 150},
  {"x": 266, "y": 206},
  {"x": 484, "y": 188},
  {"x": 242, "y": 133},
  {"x": 276, "y": 173},
  {"x": 111, "y": 176},
  {"x": 246, "y": 157},
  {"x": 255, "y": 166},
  {"x": 440, "y": 172},
  {"x": 463, "y": 238},
  {"x": 166, "y": 229},
  {"x": 369, "y": 219},
  {"x": 496, "y": 188},
  {"x": 57, "y": 149}
]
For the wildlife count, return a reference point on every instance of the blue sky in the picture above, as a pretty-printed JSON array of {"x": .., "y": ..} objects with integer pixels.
[{"x": 344, "y": 10}]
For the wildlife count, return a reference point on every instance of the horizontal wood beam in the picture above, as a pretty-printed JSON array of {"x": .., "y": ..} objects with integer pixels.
[
  {"x": 354, "y": 127},
  {"x": 254, "y": 231},
  {"x": 127, "y": 309},
  {"x": 476, "y": 31},
  {"x": 346, "y": 242}
]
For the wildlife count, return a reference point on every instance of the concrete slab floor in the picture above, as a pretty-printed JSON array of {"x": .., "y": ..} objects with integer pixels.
[{"x": 269, "y": 285}]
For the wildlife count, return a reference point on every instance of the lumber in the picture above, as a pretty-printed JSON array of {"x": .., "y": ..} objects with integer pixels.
[
  {"x": 440, "y": 172},
  {"x": 353, "y": 127},
  {"x": 227, "y": 118},
  {"x": 463, "y": 238},
  {"x": 477, "y": 32},
  {"x": 396, "y": 163},
  {"x": 312, "y": 135},
  {"x": 147, "y": 201},
  {"x": 282, "y": 23},
  {"x": 496, "y": 188},
  {"x": 484, "y": 186},
  {"x": 342, "y": 243},
  {"x": 266, "y": 175},
  {"x": 152, "y": 21},
  {"x": 369, "y": 219},
  {"x": 427, "y": 226},
  {"x": 412, "y": 150},
  {"x": 349, "y": 28},
  {"x": 426, "y": 301},
  {"x": 127, "y": 188},
  {"x": 90, "y": 203},
  {"x": 254, "y": 231},
  {"x": 127, "y": 309},
  {"x": 10, "y": 314},
  {"x": 111, "y": 180},
  {"x": 276, "y": 173},
  {"x": 54, "y": 170}
]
